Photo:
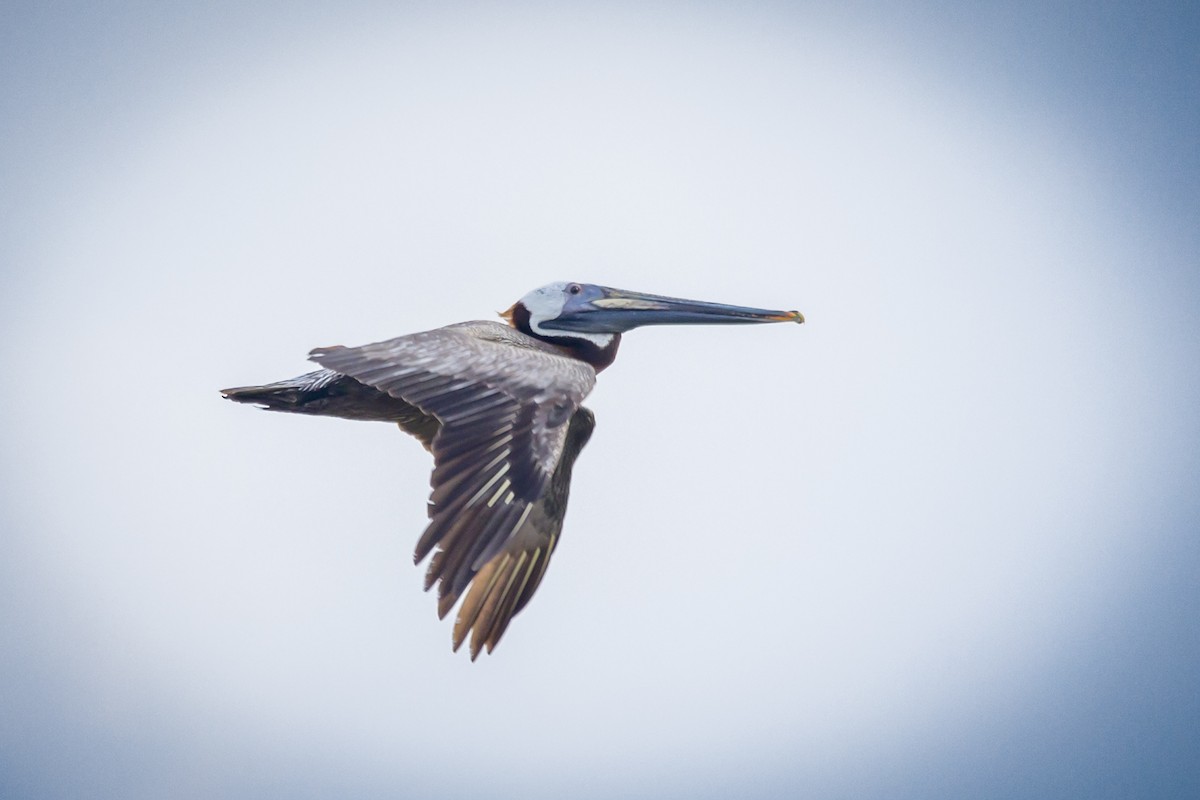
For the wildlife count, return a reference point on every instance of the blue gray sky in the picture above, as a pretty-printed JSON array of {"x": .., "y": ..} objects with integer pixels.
[{"x": 938, "y": 542}]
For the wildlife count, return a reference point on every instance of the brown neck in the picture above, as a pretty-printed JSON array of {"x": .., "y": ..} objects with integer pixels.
[{"x": 575, "y": 347}]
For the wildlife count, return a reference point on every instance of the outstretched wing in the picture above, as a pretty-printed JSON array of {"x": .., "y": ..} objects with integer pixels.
[
  {"x": 506, "y": 583},
  {"x": 504, "y": 403}
]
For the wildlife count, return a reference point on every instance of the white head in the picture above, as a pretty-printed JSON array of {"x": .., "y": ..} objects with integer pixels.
[{"x": 548, "y": 303}]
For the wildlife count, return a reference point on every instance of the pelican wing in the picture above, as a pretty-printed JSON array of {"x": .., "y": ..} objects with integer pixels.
[
  {"x": 504, "y": 402},
  {"x": 505, "y": 584}
]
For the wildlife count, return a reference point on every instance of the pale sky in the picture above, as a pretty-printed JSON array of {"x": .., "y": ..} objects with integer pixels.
[{"x": 937, "y": 542}]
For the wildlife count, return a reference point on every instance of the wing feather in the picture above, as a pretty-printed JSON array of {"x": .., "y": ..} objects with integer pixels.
[
  {"x": 507, "y": 581},
  {"x": 503, "y": 402}
]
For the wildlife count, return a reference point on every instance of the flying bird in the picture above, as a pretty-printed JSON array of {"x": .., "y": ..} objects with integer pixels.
[{"x": 499, "y": 407}]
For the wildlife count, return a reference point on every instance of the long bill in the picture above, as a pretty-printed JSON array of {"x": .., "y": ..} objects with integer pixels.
[{"x": 617, "y": 311}]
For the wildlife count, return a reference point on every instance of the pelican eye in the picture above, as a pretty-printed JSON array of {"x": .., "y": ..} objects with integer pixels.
[{"x": 574, "y": 288}]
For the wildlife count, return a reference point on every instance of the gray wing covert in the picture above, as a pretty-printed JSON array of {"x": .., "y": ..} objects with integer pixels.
[{"x": 503, "y": 408}]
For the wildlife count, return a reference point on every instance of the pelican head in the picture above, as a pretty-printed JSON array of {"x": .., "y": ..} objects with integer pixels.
[
  {"x": 590, "y": 319},
  {"x": 590, "y": 309}
]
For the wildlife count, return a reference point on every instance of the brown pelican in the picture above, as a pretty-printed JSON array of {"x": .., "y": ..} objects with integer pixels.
[{"x": 499, "y": 408}]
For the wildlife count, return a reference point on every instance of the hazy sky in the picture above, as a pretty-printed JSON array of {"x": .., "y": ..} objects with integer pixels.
[{"x": 940, "y": 541}]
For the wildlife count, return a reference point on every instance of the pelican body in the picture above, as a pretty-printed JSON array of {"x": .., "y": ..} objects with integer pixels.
[{"x": 499, "y": 407}]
